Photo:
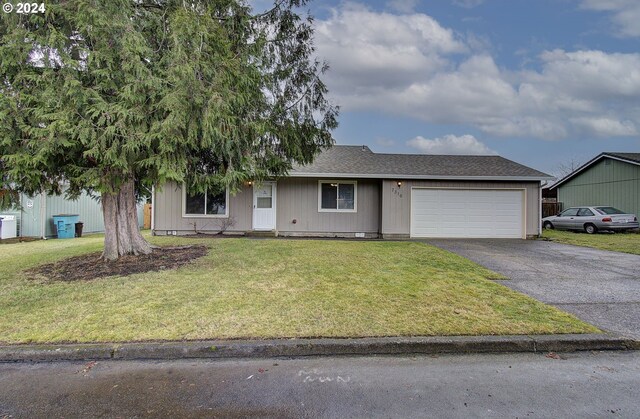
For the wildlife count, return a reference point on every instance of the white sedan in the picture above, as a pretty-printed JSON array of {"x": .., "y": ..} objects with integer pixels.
[{"x": 591, "y": 219}]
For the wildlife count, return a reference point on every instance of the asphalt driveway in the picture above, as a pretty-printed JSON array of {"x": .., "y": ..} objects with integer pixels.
[{"x": 598, "y": 286}]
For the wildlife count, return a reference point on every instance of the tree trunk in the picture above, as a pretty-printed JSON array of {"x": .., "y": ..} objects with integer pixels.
[{"x": 121, "y": 231}]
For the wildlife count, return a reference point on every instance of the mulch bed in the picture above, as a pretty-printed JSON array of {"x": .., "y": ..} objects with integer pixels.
[{"x": 87, "y": 267}]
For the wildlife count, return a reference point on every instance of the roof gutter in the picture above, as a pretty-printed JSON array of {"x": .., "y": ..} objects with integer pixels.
[{"x": 420, "y": 177}]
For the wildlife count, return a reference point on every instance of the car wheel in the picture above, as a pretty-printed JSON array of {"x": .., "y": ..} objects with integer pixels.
[
  {"x": 590, "y": 228},
  {"x": 547, "y": 225}
]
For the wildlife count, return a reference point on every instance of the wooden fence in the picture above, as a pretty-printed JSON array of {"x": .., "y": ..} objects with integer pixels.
[
  {"x": 147, "y": 216},
  {"x": 551, "y": 208}
]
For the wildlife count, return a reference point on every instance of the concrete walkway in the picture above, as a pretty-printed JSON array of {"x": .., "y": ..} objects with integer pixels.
[{"x": 598, "y": 286}]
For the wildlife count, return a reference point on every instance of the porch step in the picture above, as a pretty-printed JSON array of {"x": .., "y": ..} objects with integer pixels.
[{"x": 256, "y": 233}]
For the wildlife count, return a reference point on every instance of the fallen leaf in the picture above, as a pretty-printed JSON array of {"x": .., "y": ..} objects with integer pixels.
[{"x": 87, "y": 367}]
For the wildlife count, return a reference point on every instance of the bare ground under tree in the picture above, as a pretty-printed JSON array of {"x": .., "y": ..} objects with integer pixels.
[{"x": 92, "y": 266}]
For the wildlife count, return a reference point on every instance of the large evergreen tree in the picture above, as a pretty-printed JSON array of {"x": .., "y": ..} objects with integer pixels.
[{"x": 116, "y": 96}]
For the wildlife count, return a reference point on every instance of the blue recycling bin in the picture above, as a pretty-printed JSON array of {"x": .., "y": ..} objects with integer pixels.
[{"x": 66, "y": 225}]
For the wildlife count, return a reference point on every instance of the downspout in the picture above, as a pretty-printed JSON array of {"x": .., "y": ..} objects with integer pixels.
[
  {"x": 542, "y": 185},
  {"x": 153, "y": 210},
  {"x": 21, "y": 202},
  {"x": 43, "y": 213}
]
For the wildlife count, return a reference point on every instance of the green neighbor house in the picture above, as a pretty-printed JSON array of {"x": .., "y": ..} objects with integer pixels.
[
  {"x": 608, "y": 179},
  {"x": 34, "y": 214}
]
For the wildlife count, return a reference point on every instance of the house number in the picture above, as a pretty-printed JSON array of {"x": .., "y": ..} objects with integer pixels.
[{"x": 396, "y": 192}]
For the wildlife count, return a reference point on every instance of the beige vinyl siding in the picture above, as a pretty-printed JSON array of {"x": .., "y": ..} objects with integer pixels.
[
  {"x": 168, "y": 212},
  {"x": 386, "y": 212},
  {"x": 298, "y": 200},
  {"x": 396, "y": 202}
]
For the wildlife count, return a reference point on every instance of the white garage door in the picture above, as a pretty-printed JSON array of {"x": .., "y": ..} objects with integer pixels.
[{"x": 466, "y": 213}]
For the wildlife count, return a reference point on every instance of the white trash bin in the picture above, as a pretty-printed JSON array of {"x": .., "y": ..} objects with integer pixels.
[{"x": 8, "y": 226}]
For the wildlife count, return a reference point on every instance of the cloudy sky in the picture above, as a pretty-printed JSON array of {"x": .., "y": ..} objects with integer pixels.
[{"x": 541, "y": 82}]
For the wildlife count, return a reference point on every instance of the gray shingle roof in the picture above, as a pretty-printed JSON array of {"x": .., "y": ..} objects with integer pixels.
[{"x": 360, "y": 161}]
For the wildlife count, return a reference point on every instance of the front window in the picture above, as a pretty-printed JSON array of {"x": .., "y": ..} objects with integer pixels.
[
  {"x": 205, "y": 204},
  {"x": 337, "y": 196},
  {"x": 571, "y": 212}
]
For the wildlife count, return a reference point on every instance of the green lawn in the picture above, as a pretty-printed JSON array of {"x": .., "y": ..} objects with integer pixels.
[
  {"x": 250, "y": 288},
  {"x": 619, "y": 242}
]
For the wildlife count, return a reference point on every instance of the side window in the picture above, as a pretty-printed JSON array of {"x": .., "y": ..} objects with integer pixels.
[
  {"x": 585, "y": 212},
  {"x": 207, "y": 204},
  {"x": 571, "y": 212}
]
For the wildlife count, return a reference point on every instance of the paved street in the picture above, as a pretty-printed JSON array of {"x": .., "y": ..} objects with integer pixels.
[
  {"x": 508, "y": 385},
  {"x": 600, "y": 287}
]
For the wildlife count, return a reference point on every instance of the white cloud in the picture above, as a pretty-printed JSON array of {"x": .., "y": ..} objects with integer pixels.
[
  {"x": 412, "y": 66},
  {"x": 450, "y": 144},
  {"x": 367, "y": 49},
  {"x": 625, "y": 14},
  {"x": 403, "y": 6},
  {"x": 468, "y": 4},
  {"x": 607, "y": 127},
  {"x": 593, "y": 75}
]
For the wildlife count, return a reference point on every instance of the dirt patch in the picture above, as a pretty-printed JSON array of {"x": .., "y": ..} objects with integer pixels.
[
  {"x": 19, "y": 240},
  {"x": 87, "y": 267}
]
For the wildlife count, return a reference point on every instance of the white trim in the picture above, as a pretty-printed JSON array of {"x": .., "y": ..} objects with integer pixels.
[
  {"x": 348, "y": 182},
  {"x": 418, "y": 177},
  {"x": 184, "y": 205},
  {"x": 524, "y": 213},
  {"x": 524, "y": 202},
  {"x": 153, "y": 208},
  {"x": 540, "y": 207},
  {"x": 621, "y": 159}
]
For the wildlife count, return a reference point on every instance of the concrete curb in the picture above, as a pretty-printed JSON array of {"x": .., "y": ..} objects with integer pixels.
[{"x": 225, "y": 349}]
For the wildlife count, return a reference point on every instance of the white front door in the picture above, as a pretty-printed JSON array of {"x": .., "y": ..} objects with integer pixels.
[{"x": 264, "y": 206}]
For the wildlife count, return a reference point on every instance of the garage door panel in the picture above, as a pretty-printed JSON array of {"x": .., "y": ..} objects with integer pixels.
[{"x": 466, "y": 213}]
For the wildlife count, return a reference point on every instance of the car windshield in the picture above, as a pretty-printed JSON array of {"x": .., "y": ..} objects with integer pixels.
[{"x": 609, "y": 210}]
